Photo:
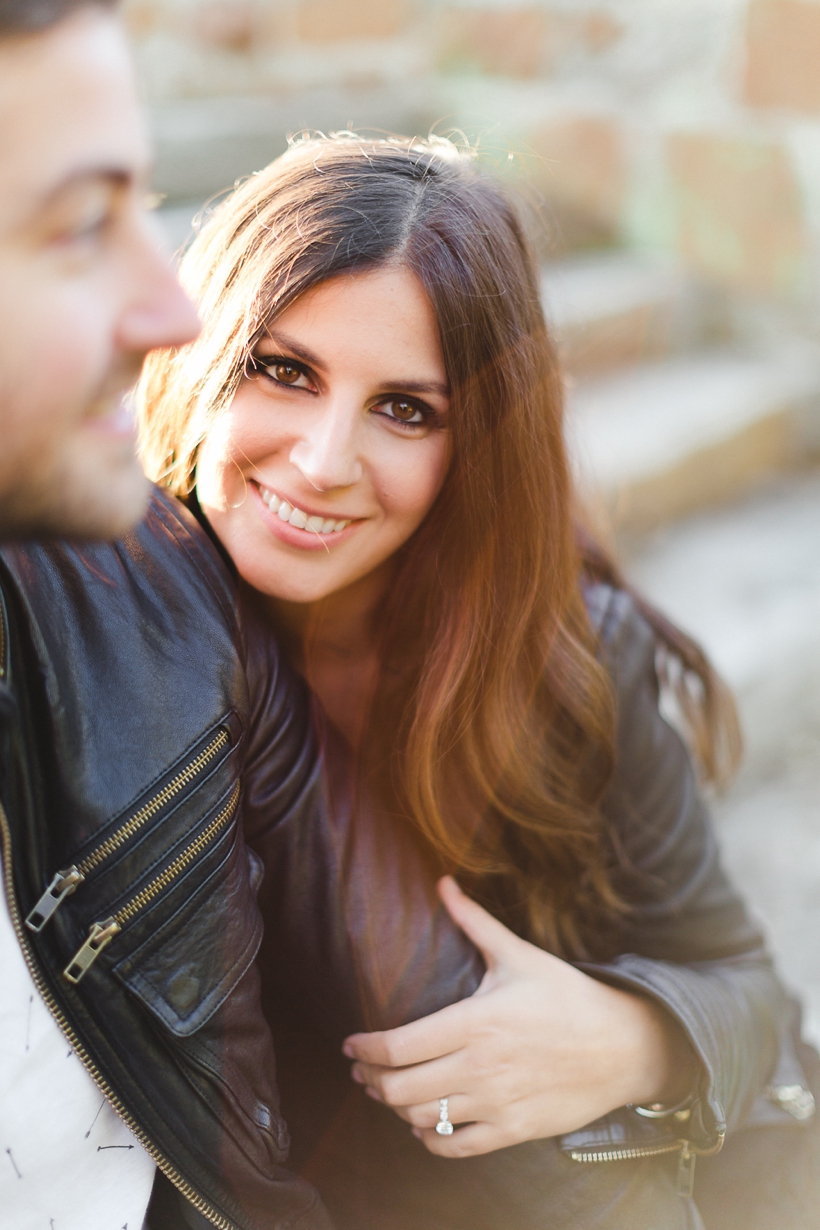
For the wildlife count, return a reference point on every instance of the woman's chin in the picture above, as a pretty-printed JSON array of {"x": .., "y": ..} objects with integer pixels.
[{"x": 283, "y": 586}]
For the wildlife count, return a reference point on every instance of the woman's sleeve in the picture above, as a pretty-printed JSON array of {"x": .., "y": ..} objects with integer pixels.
[
  {"x": 281, "y": 775},
  {"x": 689, "y": 942}
]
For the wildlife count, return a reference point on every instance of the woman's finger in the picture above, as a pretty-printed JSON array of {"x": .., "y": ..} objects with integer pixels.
[
  {"x": 432, "y": 1036},
  {"x": 413, "y": 1086},
  {"x": 466, "y": 1141},
  {"x": 460, "y": 1109},
  {"x": 496, "y": 942}
]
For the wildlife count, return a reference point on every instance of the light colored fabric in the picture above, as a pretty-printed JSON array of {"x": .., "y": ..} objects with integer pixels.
[{"x": 67, "y": 1161}]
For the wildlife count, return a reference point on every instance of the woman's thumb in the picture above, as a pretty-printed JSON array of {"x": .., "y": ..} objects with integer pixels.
[{"x": 495, "y": 942}]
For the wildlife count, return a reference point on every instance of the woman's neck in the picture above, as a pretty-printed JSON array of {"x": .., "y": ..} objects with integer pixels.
[{"x": 334, "y": 643}]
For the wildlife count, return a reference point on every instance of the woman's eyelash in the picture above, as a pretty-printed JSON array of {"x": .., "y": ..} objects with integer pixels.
[
  {"x": 429, "y": 418},
  {"x": 269, "y": 363}
]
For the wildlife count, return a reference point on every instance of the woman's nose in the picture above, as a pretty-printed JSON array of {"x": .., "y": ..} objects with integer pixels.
[{"x": 327, "y": 455}]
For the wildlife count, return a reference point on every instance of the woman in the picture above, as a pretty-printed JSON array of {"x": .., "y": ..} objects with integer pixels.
[{"x": 371, "y": 426}]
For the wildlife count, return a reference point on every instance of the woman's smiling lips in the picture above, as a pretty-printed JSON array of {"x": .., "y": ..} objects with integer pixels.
[{"x": 298, "y": 528}]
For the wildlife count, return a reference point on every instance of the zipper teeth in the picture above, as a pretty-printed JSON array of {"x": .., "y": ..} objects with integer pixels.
[
  {"x": 180, "y": 862},
  {"x": 623, "y": 1155},
  {"x": 153, "y": 805},
  {"x": 170, "y": 1172}
]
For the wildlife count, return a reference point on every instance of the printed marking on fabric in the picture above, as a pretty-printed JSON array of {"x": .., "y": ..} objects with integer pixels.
[{"x": 94, "y": 1120}]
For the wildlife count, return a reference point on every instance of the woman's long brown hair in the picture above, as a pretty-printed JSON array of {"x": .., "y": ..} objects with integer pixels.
[{"x": 493, "y": 728}]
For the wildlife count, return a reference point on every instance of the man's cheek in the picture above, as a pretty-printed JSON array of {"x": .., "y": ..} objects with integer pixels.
[{"x": 54, "y": 358}]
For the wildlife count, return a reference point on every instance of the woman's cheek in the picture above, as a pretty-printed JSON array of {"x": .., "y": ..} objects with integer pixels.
[
  {"x": 417, "y": 488},
  {"x": 220, "y": 481}
]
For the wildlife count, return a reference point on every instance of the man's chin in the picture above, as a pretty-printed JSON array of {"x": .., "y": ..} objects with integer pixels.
[{"x": 82, "y": 502}]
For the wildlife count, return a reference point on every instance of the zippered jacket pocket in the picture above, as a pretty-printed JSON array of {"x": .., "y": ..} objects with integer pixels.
[
  {"x": 103, "y": 932},
  {"x": 194, "y": 974},
  {"x": 159, "y": 800}
]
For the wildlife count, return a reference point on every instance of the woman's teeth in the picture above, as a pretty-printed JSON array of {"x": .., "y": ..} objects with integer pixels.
[{"x": 295, "y": 516}]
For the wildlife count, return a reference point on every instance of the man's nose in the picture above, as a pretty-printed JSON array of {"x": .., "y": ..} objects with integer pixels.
[
  {"x": 158, "y": 313},
  {"x": 327, "y": 453}
]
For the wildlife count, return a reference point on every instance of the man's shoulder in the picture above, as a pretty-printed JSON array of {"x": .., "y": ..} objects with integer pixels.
[
  {"x": 130, "y": 649},
  {"x": 173, "y": 536},
  {"x": 166, "y": 560}
]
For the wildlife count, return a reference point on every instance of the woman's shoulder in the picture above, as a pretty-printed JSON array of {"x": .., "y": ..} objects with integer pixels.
[{"x": 626, "y": 640}]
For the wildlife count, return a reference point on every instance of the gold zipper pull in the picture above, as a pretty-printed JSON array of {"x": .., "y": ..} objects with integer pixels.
[
  {"x": 686, "y": 1171},
  {"x": 61, "y": 886},
  {"x": 100, "y": 935}
]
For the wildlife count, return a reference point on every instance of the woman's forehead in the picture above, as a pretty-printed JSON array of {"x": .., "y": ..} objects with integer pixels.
[{"x": 379, "y": 316}]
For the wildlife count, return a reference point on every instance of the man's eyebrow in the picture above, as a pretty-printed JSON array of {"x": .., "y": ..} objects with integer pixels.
[
  {"x": 307, "y": 356},
  {"x": 115, "y": 176}
]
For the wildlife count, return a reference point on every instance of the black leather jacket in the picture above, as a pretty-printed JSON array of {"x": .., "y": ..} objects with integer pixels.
[
  {"x": 124, "y": 719},
  {"x": 356, "y": 939}
]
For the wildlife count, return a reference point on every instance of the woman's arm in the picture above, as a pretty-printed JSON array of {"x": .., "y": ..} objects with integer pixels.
[
  {"x": 689, "y": 942},
  {"x": 544, "y": 1047}
]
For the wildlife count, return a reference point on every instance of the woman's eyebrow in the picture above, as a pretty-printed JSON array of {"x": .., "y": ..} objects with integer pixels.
[
  {"x": 296, "y": 348},
  {"x": 418, "y": 386}
]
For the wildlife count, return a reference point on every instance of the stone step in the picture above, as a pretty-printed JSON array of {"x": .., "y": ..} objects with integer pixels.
[
  {"x": 177, "y": 224},
  {"x": 203, "y": 145},
  {"x": 746, "y": 582},
  {"x": 660, "y": 440},
  {"x": 611, "y": 309}
]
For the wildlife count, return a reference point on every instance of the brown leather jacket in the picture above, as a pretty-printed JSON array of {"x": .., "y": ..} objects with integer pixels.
[{"x": 356, "y": 939}]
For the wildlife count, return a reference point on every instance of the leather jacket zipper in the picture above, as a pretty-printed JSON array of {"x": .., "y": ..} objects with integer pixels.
[
  {"x": 69, "y": 879},
  {"x": 102, "y": 933},
  {"x": 181, "y": 1184},
  {"x": 686, "y": 1163}
]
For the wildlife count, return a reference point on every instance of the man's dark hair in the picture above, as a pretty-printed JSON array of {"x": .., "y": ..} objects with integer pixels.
[{"x": 29, "y": 16}]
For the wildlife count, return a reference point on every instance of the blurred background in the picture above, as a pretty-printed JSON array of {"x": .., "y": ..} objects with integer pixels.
[{"x": 675, "y": 145}]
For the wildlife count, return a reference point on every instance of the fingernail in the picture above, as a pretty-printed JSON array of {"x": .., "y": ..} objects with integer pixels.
[
  {"x": 347, "y": 1049},
  {"x": 417, "y": 1133},
  {"x": 371, "y": 1093},
  {"x": 357, "y": 1076}
]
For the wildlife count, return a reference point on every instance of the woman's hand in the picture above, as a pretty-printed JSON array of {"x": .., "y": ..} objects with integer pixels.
[{"x": 540, "y": 1049}]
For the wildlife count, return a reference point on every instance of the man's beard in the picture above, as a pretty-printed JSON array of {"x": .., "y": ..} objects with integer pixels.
[{"x": 79, "y": 484}]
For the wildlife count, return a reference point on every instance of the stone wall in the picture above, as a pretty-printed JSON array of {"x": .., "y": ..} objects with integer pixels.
[{"x": 691, "y": 126}]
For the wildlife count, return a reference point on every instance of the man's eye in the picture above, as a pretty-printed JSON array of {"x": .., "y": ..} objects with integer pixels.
[
  {"x": 93, "y": 226},
  {"x": 83, "y": 229},
  {"x": 403, "y": 412}
]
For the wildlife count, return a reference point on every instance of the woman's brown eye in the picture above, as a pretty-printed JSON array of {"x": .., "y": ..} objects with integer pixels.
[
  {"x": 286, "y": 374},
  {"x": 404, "y": 411}
]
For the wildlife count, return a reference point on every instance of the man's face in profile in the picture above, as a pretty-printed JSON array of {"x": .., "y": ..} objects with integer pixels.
[{"x": 84, "y": 293}]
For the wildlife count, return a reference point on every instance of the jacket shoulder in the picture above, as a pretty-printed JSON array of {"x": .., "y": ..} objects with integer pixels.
[
  {"x": 627, "y": 642},
  {"x": 135, "y": 646},
  {"x": 171, "y": 533}
]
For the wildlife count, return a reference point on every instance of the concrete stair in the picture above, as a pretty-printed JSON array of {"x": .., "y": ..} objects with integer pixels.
[
  {"x": 745, "y": 580},
  {"x": 615, "y": 308},
  {"x": 177, "y": 225},
  {"x": 667, "y": 412},
  {"x": 203, "y": 145}
]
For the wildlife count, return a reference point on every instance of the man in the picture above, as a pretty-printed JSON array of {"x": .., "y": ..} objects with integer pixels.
[
  {"x": 84, "y": 291},
  {"x": 134, "y": 1058}
]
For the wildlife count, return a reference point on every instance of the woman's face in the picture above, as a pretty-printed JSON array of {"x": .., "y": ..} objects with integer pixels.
[{"x": 331, "y": 455}]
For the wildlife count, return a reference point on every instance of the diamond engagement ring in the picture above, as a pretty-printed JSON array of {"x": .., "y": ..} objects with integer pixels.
[{"x": 444, "y": 1127}]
